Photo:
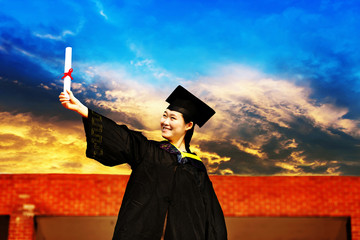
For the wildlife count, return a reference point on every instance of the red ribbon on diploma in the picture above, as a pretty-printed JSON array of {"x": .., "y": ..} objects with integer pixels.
[{"x": 68, "y": 74}]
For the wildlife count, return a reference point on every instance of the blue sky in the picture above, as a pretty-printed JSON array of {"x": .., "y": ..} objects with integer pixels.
[{"x": 283, "y": 77}]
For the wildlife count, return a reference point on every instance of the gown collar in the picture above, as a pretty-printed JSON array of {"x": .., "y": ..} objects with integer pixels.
[
  {"x": 169, "y": 147},
  {"x": 183, "y": 158}
]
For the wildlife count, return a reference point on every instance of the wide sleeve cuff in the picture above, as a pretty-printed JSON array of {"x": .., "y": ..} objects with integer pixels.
[{"x": 94, "y": 131}]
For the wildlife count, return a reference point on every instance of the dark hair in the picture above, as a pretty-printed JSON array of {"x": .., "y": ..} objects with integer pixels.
[{"x": 189, "y": 133}]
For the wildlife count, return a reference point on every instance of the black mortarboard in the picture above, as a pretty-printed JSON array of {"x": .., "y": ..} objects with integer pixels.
[{"x": 181, "y": 100}]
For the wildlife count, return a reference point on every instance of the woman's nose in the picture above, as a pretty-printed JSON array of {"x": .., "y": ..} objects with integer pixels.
[{"x": 166, "y": 121}]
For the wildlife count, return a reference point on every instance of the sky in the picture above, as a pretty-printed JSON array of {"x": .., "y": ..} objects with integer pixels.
[{"x": 282, "y": 76}]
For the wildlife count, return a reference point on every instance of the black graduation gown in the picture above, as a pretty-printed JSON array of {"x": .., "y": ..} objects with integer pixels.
[{"x": 159, "y": 187}]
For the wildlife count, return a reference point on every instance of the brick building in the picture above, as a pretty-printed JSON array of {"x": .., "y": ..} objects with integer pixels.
[{"x": 30, "y": 202}]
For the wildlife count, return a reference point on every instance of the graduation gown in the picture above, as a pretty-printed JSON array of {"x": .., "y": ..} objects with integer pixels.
[{"x": 163, "y": 188}]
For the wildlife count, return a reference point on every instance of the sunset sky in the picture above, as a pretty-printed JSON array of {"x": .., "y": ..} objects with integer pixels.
[{"x": 282, "y": 76}]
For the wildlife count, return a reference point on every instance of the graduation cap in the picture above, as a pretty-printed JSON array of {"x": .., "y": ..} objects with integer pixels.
[{"x": 181, "y": 100}]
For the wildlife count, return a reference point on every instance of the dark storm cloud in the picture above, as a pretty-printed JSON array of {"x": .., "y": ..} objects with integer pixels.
[
  {"x": 269, "y": 127},
  {"x": 241, "y": 163},
  {"x": 350, "y": 169},
  {"x": 320, "y": 149},
  {"x": 322, "y": 144}
]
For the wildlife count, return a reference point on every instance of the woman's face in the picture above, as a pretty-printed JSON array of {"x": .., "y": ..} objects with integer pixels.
[{"x": 173, "y": 126}]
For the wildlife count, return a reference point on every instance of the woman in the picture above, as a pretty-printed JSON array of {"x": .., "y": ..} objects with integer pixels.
[{"x": 169, "y": 186}]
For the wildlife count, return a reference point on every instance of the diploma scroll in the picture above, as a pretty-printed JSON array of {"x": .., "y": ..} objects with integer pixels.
[{"x": 67, "y": 80}]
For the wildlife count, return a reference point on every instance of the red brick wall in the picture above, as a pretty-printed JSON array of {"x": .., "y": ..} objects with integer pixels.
[{"x": 25, "y": 195}]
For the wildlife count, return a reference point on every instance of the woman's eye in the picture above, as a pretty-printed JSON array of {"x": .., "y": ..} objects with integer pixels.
[{"x": 173, "y": 118}]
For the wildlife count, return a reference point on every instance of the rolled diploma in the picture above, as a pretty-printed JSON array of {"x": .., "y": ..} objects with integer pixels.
[{"x": 67, "y": 79}]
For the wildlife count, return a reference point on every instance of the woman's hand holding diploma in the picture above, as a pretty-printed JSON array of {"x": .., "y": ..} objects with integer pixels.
[{"x": 73, "y": 104}]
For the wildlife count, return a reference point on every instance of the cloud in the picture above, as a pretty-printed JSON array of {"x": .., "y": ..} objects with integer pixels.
[
  {"x": 100, "y": 8},
  {"x": 30, "y": 144},
  {"x": 55, "y": 37},
  {"x": 241, "y": 90},
  {"x": 103, "y": 14},
  {"x": 23, "y": 50},
  {"x": 126, "y": 98},
  {"x": 263, "y": 125},
  {"x": 314, "y": 46},
  {"x": 301, "y": 117},
  {"x": 144, "y": 64},
  {"x": 273, "y": 126},
  {"x": 60, "y": 33},
  {"x": 30, "y": 72}
]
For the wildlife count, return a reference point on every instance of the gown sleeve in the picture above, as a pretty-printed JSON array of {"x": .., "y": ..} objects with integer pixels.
[{"x": 112, "y": 144}]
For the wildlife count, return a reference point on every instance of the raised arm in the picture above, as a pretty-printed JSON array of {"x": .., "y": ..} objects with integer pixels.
[
  {"x": 73, "y": 104},
  {"x": 107, "y": 142}
]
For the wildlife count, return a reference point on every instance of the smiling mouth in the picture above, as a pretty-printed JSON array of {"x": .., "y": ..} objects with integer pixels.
[{"x": 165, "y": 129}]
